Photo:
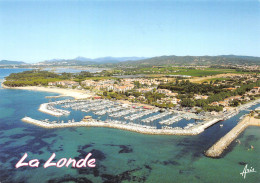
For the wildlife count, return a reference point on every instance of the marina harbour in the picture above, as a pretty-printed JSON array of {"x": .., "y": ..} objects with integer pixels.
[{"x": 115, "y": 114}]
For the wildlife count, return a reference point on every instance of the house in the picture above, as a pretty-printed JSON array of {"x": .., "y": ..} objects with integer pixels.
[
  {"x": 89, "y": 83},
  {"x": 123, "y": 88},
  {"x": 145, "y": 90},
  {"x": 198, "y": 97},
  {"x": 131, "y": 97},
  {"x": 214, "y": 104},
  {"x": 171, "y": 94},
  {"x": 230, "y": 89},
  {"x": 65, "y": 83},
  {"x": 223, "y": 103},
  {"x": 52, "y": 83},
  {"x": 175, "y": 101},
  {"x": 255, "y": 90},
  {"x": 164, "y": 91},
  {"x": 141, "y": 98}
]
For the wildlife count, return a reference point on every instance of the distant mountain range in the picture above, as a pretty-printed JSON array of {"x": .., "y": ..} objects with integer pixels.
[
  {"x": 144, "y": 61},
  {"x": 89, "y": 61},
  {"x": 8, "y": 62},
  {"x": 194, "y": 60}
]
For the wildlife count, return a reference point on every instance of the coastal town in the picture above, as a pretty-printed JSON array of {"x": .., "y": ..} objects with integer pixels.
[
  {"x": 129, "y": 91},
  {"x": 151, "y": 91},
  {"x": 164, "y": 105}
]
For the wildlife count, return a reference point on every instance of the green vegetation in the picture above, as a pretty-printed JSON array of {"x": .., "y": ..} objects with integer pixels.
[
  {"x": 36, "y": 77},
  {"x": 193, "y": 60},
  {"x": 96, "y": 78},
  {"x": 239, "y": 91},
  {"x": 31, "y": 78},
  {"x": 206, "y": 72},
  {"x": 169, "y": 70},
  {"x": 187, "y": 89},
  {"x": 114, "y": 95}
]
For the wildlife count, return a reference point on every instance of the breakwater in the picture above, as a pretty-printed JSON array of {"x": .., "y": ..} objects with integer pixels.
[
  {"x": 49, "y": 109},
  {"x": 217, "y": 149},
  {"x": 139, "y": 129}
]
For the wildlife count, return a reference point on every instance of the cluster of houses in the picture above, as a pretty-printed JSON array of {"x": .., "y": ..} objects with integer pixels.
[
  {"x": 150, "y": 85},
  {"x": 65, "y": 84},
  {"x": 170, "y": 97},
  {"x": 122, "y": 85},
  {"x": 245, "y": 97},
  {"x": 248, "y": 67},
  {"x": 108, "y": 85},
  {"x": 143, "y": 81},
  {"x": 245, "y": 78}
]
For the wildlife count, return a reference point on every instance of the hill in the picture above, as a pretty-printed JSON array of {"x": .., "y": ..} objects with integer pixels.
[{"x": 194, "y": 60}]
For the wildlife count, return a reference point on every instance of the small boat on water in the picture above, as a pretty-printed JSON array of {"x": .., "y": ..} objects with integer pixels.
[
  {"x": 221, "y": 125},
  {"x": 238, "y": 141}
]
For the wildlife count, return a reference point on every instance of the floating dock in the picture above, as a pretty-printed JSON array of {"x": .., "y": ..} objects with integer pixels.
[{"x": 217, "y": 149}]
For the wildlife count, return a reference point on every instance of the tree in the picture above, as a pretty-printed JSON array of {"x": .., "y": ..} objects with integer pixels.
[
  {"x": 234, "y": 103},
  {"x": 105, "y": 93},
  {"x": 187, "y": 103}
]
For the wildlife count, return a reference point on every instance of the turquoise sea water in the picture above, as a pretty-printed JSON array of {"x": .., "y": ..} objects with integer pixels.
[{"x": 121, "y": 156}]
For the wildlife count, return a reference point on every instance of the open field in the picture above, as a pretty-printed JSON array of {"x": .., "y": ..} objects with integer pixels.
[
  {"x": 211, "y": 78},
  {"x": 198, "y": 72},
  {"x": 99, "y": 78}
]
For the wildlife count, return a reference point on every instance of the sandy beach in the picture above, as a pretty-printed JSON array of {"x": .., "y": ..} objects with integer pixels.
[{"x": 77, "y": 94}]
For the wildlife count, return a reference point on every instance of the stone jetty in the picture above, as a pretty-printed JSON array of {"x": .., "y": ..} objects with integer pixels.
[
  {"x": 49, "y": 109},
  {"x": 93, "y": 123},
  {"x": 217, "y": 149}
]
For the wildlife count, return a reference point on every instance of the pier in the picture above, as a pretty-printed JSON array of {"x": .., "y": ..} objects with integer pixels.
[{"x": 217, "y": 149}]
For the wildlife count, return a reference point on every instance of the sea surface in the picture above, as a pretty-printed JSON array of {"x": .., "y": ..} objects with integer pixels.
[{"x": 121, "y": 156}]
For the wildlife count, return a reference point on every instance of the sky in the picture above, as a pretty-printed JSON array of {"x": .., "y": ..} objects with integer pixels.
[{"x": 34, "y": 31}]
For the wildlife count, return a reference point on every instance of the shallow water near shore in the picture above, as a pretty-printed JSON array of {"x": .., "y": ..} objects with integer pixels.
[{"x": 121, "y": 156}]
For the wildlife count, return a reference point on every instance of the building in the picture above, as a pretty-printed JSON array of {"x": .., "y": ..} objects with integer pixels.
[
  {"x": 65, "y": 83},
  {"x": 164, "y": 91},
  {"x": 144, "y": 90},
  {"x": 198, "y": 97}
]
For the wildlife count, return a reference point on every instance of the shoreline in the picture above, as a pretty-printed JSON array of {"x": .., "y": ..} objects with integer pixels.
[
  {"x": 65, "y": 92},
  {"x": 218, "y": 148}
]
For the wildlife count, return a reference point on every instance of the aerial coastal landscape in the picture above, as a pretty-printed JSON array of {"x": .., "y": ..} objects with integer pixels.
[{"x": 178, "y": 100}]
